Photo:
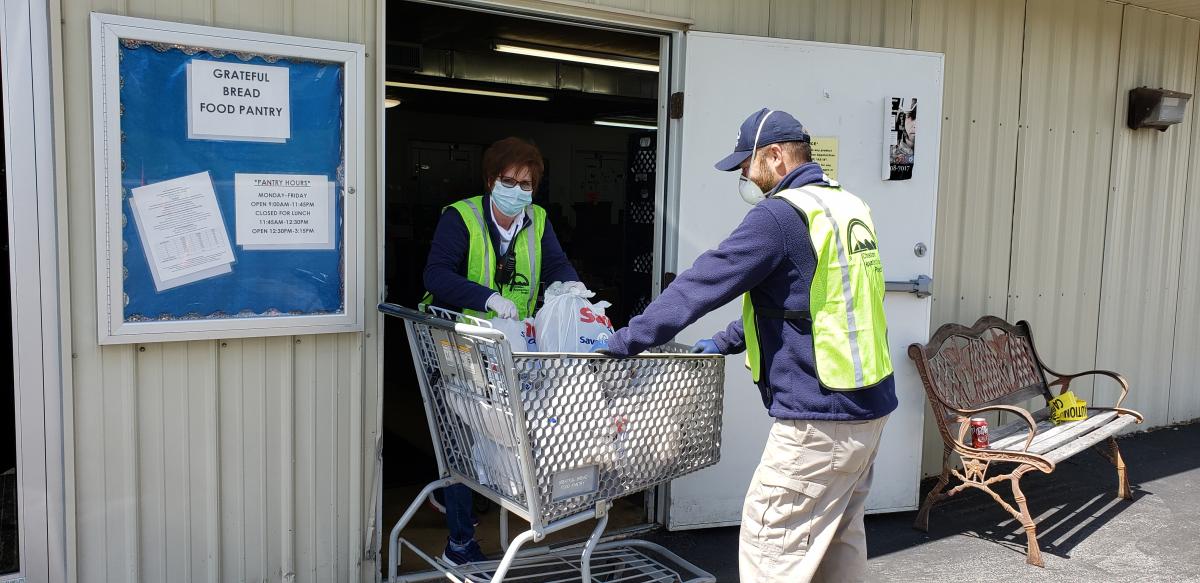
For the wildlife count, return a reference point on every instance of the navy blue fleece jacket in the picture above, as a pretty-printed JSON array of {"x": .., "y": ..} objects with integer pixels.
[
  {"x": 770, "y": 255},
  {"x": 445, "y": 271}
]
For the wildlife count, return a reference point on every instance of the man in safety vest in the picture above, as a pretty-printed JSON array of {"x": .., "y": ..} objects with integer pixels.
[
  {"x": 806, "y": 266},
  {"x": 489, "y": 257}
]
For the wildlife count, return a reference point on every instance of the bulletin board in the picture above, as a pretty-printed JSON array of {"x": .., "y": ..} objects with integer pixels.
[{"x": 228, "y": 166}]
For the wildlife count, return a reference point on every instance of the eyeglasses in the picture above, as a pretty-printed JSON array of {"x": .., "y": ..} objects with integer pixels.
[{"x": 509, "y": 182}]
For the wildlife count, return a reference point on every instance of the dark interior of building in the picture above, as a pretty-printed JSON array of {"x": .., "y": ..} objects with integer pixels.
[
  {"x": 8, "y": 435},
  {"x": 453, "y": 89}
]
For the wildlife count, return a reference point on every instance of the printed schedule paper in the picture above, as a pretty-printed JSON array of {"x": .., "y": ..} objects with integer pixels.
[
  {"x": 284, "y": 211},
  {"x": 181, "y": 230}
]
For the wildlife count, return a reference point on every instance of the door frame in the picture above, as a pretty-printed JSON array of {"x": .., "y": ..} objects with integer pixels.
[
  {"x": 38, "y": 307},
  {"x": 671, "y": 32}
]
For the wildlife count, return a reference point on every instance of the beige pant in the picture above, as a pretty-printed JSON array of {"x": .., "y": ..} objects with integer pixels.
[{"x": 803, "y": 517}]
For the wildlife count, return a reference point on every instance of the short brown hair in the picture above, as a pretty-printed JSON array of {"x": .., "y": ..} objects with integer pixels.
[
  {"x": 512, "y": 152},
  {"x": 798, "y": 151}
]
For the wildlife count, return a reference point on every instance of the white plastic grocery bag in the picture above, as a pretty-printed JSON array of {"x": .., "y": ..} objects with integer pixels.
[
  {"x": 521, "y": 335},
  {"x": 569, "y": 322}
]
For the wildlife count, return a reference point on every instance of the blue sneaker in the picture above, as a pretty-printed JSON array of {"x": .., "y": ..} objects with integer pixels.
[{"x": 458, "y": 555}]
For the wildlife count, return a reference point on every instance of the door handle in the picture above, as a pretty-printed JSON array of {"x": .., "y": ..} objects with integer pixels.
[{"x": 919, "y": 286}]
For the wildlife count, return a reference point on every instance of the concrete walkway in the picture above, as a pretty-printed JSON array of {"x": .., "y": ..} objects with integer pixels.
[{"x": 1086, "y": 533}]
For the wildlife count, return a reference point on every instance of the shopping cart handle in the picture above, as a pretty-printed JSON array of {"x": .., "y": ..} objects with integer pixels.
[
  {"x": 419, "y": 316},
  {"x": 492, "y": 333}
]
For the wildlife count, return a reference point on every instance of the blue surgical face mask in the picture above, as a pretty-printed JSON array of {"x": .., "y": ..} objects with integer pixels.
[{"x": 510, "y": 200}]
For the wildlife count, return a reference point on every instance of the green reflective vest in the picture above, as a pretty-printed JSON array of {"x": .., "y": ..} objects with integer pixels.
[
  {"x": 846, "y": 296},
  {"x": 522, "y": 289}
]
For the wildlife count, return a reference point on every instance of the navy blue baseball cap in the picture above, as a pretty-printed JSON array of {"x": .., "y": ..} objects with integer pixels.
[{"x": 779, "y": 127}]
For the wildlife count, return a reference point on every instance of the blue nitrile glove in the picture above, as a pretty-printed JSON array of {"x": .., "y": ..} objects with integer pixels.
[
  {"x": 600, "y": 346},
  {"x": 706, "y": 346}
]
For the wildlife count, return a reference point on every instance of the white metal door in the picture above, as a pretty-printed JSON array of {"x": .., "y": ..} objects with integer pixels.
[{"x": 836, "y": 91}]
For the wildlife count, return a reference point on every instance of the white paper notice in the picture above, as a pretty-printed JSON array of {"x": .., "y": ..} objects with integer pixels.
[
  {"x": 182, "y": 231},
  {"x": 233, "y": 101},
  {"x": 284, "y": 211}
]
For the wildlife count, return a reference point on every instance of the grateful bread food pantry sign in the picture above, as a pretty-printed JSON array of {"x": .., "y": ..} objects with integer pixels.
[{"x": 231, "y": 101}]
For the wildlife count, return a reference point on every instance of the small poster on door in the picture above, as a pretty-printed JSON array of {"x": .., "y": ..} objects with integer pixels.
[
  {"x": 900, "y": 137},
  {"x": 825, "y": 153}
]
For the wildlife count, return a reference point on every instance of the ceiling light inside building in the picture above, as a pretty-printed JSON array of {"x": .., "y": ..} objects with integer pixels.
[
  {"x": 574, "y": 56},
  {"x": 625, "y": 124},
  {"x": 482, "y": 92}
]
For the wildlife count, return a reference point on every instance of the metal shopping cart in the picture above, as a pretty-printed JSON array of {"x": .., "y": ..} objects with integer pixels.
[{"x": 554, "y": 439}]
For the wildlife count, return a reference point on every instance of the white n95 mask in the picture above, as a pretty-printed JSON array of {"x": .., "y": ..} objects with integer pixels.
[{"x": 751, "y": 192}]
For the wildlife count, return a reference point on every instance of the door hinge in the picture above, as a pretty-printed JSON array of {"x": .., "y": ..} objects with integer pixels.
[{"x": 675, "y": 107}]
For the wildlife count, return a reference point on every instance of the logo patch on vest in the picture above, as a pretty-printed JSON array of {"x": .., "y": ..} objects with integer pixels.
[
  {"x": 860, "y": 237},
  {"x": 519, "y": 282}
]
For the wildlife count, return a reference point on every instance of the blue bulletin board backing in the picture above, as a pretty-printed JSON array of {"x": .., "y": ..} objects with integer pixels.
[{"x": 155, "y": 147}]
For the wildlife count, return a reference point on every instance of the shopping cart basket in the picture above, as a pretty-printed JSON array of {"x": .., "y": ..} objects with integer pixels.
[{"x": 554, "y": 439}]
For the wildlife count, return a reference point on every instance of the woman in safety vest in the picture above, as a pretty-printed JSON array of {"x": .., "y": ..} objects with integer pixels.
[{"x": 491, "y": 255}]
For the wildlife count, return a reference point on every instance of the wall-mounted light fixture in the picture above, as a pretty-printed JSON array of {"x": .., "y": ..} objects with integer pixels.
[{"x": 1156, "y": 108}]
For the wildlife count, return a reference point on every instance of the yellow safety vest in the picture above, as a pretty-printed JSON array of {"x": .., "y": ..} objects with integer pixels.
[
  {"x": 482, "y": 258},
  {"x": 849, "y": 329}
]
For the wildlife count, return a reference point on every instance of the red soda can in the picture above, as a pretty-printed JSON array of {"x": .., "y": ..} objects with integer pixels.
[{"x": 979, "y": 433}]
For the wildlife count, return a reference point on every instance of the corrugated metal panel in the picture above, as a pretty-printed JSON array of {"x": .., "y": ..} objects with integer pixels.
[
  {"x": 1068, "y": 106},
  {"x": 881, "y": 23},
  {"x": 742, "y": 17},
  {"x": 982, "y": 40},
  {"x": 1188, "y": 8},
  {"x": 1185, "y": 366},
  {"x": 982, "y": 43},
  {"x": 215, "y": 461},
  {"x": 1145, "y": 216}
]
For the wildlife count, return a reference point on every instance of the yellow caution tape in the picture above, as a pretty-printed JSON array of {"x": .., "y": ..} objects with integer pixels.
[{"x": 1067, "y": 407}]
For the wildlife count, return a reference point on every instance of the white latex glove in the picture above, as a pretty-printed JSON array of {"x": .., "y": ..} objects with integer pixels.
[{"x": 504, "y": 307}]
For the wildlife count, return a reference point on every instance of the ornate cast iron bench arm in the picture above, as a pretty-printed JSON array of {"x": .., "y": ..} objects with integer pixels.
[{"x": 965, "y": 424}]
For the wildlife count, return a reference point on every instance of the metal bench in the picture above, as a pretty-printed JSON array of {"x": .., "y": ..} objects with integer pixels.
[{"x": 993, "y": 367}]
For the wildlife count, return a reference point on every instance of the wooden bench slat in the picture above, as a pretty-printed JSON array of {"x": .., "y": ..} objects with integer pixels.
[
  {"x": 1019, "y": 425},
  {"x": 1093, "y": 438},
  {"x": 1071, "y": 431},
  {"x": 1013, "y": 436},
  {"x": 1015, "y": 433}
]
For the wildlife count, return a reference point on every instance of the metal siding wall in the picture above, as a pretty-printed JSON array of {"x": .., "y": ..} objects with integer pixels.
[
  {"x": 1064, "y": 149},
  {"x": 217, "y": 461},
  {"x": 1145, "y": 217},
  {"x": 751, "y": 17},
  {"x": 982, "y": 41},
  {"x": 1184, "y": 404},
  {"x": 881, "y": 23}
]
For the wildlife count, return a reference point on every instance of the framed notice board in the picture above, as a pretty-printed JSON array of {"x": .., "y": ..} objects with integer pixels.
[{"x": 228, "y": 170}]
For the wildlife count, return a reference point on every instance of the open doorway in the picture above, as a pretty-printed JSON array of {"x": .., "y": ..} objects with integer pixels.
[
  {"x": 9, "y": 543},
  {"x": 588, "y": 98}
]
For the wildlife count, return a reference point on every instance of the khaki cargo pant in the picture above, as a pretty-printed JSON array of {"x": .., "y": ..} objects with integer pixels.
[{"x": 803, "y": 516}]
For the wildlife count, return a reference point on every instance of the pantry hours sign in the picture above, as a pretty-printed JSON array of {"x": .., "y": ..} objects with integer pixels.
[{"x": 234, "y": 101}]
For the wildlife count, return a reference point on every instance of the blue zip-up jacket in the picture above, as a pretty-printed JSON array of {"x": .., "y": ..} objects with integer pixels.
[
  {"x": 771, "y": 255},
  {"x": 445, "y": 270}
]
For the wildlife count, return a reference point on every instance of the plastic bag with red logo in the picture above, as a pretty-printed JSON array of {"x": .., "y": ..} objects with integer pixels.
[
  {"x": 521, "y": 335},
  {"x": 569, "y": 322}
]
